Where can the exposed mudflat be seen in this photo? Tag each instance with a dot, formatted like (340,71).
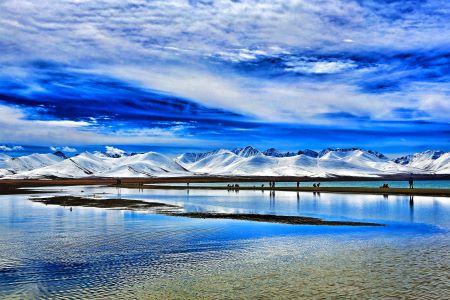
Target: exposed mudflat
(169,210)
(101,203)
(294,220)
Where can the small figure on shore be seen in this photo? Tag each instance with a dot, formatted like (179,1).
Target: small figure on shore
(298,184)
(71,209)
(187,184)
(314,185)
(411,183)
(318,184)
(262,185)
(385,186)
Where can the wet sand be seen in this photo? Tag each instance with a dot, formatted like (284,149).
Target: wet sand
(170,210)
(73,201)
(294,220)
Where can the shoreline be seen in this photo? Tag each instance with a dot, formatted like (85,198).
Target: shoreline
(207,179)
(12,186)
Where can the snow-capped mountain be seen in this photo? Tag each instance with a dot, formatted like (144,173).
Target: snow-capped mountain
(275,153)
(344,151)
(149,164)
(14,165)
(188,158)
(191,157)
(97,164)
(420,160)
(442,164)
(432,161)
(245,161)
(4,156)
(332,162)
(246,152)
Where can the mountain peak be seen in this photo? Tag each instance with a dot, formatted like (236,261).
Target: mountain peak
(60,154)
(246,151)
(425,155)
(328,150)
(275,153)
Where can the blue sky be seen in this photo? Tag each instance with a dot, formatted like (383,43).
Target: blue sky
(192,75)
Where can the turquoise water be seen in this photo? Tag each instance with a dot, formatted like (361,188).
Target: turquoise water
(437,184)
(52,252)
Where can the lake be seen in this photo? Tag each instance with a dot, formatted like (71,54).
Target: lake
(434,184)
(52,252)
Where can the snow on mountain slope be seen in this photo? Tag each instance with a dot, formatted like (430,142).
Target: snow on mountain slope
(3,156)
(145,165)
(241,161)
(96,164)
(273,152)
(442,164)
(82,165)
(330,162)
(423,160)
(216,163)
(190,157)
(246,152)
(262,165)
(15,165)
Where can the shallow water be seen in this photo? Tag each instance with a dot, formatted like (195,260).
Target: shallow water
(52,252)
(436,184)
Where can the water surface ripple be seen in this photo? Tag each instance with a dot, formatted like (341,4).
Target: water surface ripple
(91,253)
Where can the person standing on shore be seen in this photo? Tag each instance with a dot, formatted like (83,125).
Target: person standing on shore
(411,183)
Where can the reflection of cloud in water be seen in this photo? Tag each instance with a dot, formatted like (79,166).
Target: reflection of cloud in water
(52,252)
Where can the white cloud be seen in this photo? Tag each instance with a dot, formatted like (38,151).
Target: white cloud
(319,67)
(140,30)
(437,105)
(16,128)
(295,101)
(11,148)
(65,149)
(62,123)
(166,44)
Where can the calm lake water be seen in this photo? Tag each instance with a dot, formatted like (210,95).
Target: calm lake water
(52,252)
(435,184)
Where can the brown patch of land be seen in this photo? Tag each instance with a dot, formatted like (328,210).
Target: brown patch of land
(170,210)
(341,190)
(101,203)
(294,220)
(11,190)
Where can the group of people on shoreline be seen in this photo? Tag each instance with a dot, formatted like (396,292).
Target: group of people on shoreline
(410,183)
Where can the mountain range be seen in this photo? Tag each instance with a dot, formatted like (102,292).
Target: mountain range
(246,161)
